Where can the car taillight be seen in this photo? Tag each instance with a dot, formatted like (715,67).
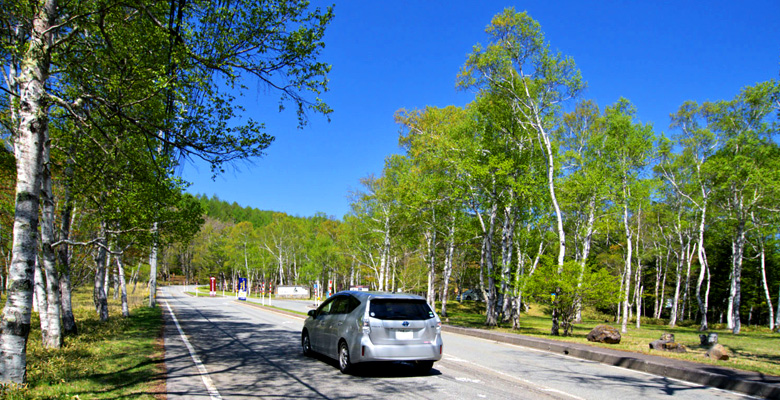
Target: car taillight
(366,326)
(438,327)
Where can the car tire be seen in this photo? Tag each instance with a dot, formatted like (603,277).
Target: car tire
(423,367)
(345,365)
(306,344)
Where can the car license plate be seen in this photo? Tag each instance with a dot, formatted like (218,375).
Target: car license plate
(404,335)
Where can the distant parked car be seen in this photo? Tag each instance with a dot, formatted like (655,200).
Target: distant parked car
(354,327)
(471,294)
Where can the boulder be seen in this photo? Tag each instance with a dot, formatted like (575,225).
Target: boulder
(674,347)
(717,352)
(658,344)
(708,339)
(604,334)
(667,343)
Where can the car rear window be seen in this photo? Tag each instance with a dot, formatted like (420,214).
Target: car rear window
(398,309)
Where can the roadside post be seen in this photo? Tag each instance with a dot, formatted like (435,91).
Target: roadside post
(317,294)
(213,286)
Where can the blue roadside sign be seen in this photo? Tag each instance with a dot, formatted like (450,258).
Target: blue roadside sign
(242,289)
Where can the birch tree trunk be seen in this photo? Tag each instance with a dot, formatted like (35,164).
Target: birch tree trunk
(99,294)
(63,252)
(762,254)
(657,282)
(116,281)
(29,141)
(153,267)
(639,289)
(107,276)
(663,281)
(704,268)
(122,286)
(629,248)
(51,336)
(430,240)
(766,287)
(688,262)
(490,312)
(736,278)
(39,298)
(384,254)
(554,330)
(586,243)
(449,254)
(507,240)
(678,276)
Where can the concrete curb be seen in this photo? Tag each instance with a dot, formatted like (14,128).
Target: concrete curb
(751,383)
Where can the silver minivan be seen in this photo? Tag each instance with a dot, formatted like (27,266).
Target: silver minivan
(354,327)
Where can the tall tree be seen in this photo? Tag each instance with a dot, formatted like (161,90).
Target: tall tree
(585,196)
(627,148)
(519,64)
(689,174)
(277,44)
(747,173)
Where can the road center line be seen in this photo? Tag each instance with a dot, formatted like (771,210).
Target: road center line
(204,374)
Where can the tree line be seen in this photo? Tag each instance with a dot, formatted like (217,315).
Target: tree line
(101,102)
(531,193)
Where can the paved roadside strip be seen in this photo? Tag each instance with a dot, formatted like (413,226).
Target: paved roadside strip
(751,383)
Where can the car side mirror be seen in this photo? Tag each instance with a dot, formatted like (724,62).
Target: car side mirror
(312,313)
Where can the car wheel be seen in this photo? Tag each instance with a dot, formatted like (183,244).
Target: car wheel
(306,344)
(423,367)
(344,364)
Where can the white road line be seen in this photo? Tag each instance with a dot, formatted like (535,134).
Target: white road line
(513,377)
(679,381)
(213,392)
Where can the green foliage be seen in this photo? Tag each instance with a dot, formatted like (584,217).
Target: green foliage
(227,212)
(594,287)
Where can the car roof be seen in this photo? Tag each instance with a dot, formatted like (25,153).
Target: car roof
(380,295)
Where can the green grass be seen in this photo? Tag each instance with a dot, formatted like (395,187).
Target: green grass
(122,358)
(754,349)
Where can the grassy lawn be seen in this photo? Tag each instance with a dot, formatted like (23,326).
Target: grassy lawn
(122,358)
(754,349)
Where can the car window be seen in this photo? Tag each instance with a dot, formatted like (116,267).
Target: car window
(340,305)
(398,309)
(325,308)
(352,304)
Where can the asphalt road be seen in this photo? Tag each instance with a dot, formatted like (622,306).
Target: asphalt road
(241,351)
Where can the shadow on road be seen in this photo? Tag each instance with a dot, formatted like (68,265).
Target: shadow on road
(250,359)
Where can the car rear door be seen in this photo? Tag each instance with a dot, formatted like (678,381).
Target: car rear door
(318,328)
(333,324)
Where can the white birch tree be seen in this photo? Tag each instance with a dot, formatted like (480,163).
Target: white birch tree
(519,64)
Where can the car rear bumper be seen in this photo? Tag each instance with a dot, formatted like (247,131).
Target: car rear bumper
(368,351)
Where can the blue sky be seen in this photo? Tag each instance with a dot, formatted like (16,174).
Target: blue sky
(388,55)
